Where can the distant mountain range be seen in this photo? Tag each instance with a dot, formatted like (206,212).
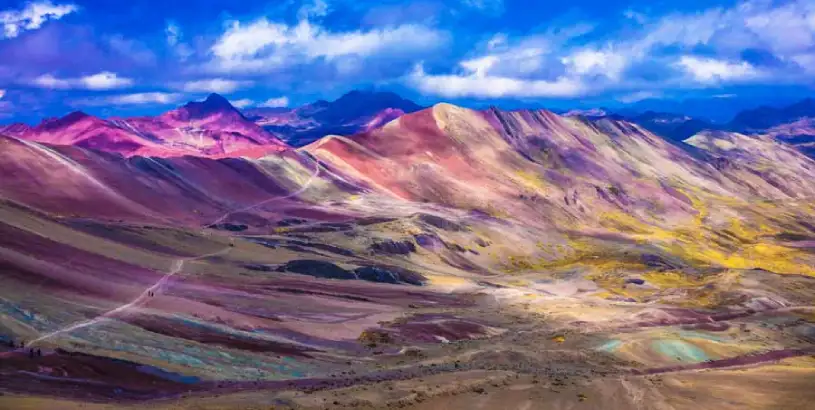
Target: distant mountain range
(212,128)
(215,128)
(793,124)
(354,112)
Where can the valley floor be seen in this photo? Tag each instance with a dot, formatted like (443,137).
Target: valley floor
(311,315)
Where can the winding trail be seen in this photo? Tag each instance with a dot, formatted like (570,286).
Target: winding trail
(177,267)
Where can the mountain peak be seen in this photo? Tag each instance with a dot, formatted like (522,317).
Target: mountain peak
(217,100)
(65,121)
(213,104)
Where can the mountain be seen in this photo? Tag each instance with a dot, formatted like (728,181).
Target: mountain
(353,112)
(409,257)
(83,130)
(212,127)
(793,124)
(717,109)
(764,118)
(672,126)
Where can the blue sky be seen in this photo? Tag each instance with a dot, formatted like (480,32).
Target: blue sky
(142,57)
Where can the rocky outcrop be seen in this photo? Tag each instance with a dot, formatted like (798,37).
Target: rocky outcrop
(320,269)
(391,247)
(389,275)
(328,270)
(441,223)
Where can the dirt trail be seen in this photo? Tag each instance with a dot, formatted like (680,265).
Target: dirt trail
(177,267)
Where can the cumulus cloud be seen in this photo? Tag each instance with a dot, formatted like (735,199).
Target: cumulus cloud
(589,62)
(276,102)
(2,93)
(214,85)
(32,16)
(263,45)
(526,67)
(131,99)
(242,103)
(104,80)
(709,70)
(754,41)
(476,82)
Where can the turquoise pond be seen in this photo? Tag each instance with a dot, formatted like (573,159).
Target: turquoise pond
(680,350)
(610,346)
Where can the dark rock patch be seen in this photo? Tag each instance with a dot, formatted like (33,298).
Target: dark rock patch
(328,270)
(373,220)
(229,227)
(482,243)
(429,241)
(291,222)
(456,247)
(319,269)
(300,246)
(258,267)
(441,223)
(657,261)
(394,247)
(793,237)
(324,247)
(389,275)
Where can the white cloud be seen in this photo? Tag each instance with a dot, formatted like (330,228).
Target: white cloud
(104,80)
(159,98)
(479,84)
(174,38)
(214,85)
(242,103)
(786,30)
(32,16)
(638,96)
(2,93)
(315,8)
(753,41)
(595,62)
(264,45)
(636,16)
(49,81)
(709,70)
(172,33)
(492,6)
(497,41)
(276,102)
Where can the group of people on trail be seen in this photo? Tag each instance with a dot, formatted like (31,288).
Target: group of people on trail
(31,351)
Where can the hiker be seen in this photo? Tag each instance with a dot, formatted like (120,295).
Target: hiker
(39,353)
(31,353)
